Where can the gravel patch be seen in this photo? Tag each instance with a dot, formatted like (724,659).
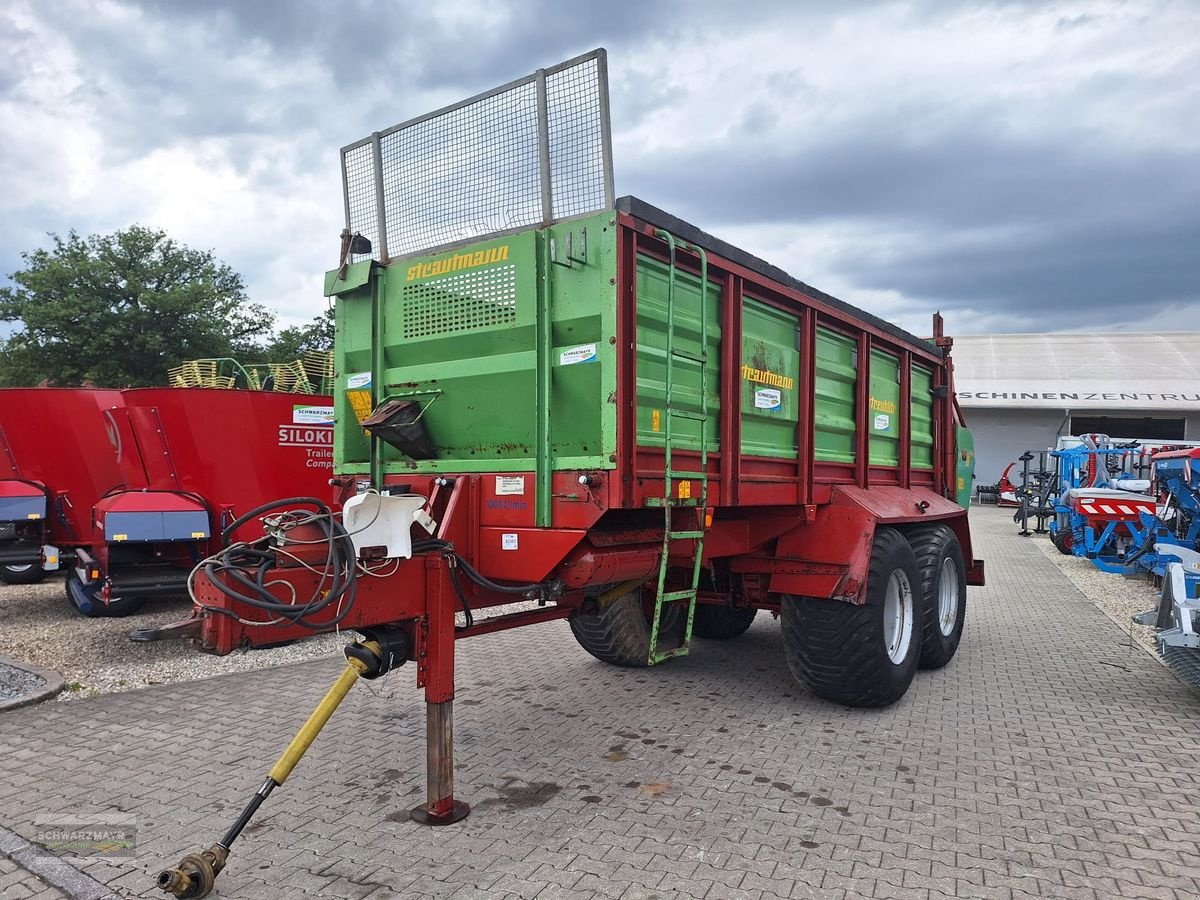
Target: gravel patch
(95,656)
(1118,596)
(16,682)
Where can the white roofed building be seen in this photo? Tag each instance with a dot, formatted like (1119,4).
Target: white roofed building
(1023,391)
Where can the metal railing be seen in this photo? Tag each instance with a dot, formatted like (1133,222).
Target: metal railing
(527,153)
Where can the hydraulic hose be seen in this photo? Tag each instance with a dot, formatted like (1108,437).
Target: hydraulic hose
(337,587)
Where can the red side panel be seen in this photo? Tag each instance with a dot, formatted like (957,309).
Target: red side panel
(236,449)
(62,438)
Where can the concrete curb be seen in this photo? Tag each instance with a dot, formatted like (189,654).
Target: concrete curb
(54,684)
(53,870)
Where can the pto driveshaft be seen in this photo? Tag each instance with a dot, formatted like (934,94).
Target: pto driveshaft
(384,650)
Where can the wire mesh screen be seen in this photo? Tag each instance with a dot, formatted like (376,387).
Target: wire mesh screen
(527,153)
(358,181)
(577,119)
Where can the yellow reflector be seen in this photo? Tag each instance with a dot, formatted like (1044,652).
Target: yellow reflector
(120,537)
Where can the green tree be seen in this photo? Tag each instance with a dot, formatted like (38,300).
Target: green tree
(291,342)
(117,310)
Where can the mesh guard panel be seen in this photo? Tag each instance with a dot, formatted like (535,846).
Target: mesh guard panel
(528,153)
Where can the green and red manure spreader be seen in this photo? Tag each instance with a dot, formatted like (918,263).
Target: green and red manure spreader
(599,412)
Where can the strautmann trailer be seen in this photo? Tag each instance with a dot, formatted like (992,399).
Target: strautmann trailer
(600,411)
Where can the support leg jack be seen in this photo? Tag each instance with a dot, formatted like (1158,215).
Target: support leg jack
(383,650)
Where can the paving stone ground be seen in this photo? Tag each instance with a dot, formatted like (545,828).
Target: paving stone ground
(18,884)
(1049,759)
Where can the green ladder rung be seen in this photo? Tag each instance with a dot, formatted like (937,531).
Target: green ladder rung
(686,414)
(690,476)
(687,354)
(686,535)
(671,654)
(675,596)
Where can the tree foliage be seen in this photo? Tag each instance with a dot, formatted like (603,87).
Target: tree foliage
(291,342)
(117,310)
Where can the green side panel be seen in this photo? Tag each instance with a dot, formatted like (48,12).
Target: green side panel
(964,469)
(921,413)
(884,421)
(353,312)
(652,354)
(460,336)
(837,381)
(769,377)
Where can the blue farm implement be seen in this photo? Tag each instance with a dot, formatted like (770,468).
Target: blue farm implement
(1176,560)
(1102,513)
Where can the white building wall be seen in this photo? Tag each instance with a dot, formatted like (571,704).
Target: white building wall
(1002,435)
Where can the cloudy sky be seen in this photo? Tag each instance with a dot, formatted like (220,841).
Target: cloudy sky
(1021,166)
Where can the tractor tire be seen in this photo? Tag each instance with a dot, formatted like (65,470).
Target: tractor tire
(86,600)
(619,632)
(1064,541)
(30,573)
(722,623)
(860,655)
(942,570)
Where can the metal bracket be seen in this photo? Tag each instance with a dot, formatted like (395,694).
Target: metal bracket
(571,257)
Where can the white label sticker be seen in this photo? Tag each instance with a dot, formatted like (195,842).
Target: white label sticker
(312,415)
(882,421)
(768,398)
(586,353)
(510,485)
(508,542)
(359,380)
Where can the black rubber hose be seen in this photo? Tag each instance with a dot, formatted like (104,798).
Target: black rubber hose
(267,507)
(340,563)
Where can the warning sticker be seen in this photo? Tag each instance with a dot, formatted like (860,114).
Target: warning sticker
(508,542)
(576,355)
(768,398)
(510,485)
(360,402)
(882,422)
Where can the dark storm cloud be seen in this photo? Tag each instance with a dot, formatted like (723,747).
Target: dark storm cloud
(1051,227)
(952,195)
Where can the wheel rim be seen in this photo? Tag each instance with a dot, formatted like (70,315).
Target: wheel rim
(18,570)
(897,616)
(948,597)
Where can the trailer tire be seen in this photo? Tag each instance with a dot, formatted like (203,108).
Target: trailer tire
(29,573)
(618,633)
(841,650)
(944,605)
(86,602)
(1064,541)
(722,623)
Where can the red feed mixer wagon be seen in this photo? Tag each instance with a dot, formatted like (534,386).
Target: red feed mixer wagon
(134,488)
(56,463)
(597,411)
